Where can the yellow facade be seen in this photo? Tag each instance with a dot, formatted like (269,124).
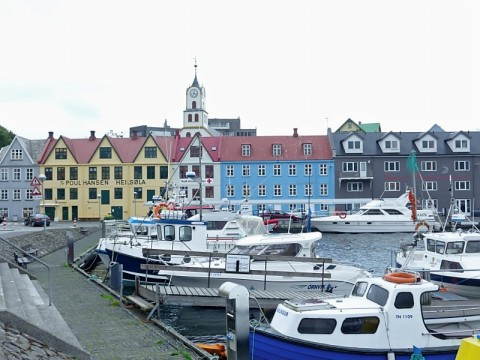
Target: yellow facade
(105,184)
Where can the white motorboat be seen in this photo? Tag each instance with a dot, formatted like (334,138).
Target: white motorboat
(281,261)
(397,316)
(451,259)
(378,216)
(169,233)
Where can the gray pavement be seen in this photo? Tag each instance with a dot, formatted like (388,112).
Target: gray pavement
(104,328)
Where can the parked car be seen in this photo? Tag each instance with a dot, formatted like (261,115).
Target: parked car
(36,220)
(278,214)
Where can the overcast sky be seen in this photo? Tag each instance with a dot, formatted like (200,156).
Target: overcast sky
(74,66)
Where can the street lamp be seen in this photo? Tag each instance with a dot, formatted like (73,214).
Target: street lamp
(99,216)
(192,176)
(42,178)
(135,201)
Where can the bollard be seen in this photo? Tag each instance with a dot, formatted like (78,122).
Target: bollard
(74,222)
(70,248)
(5,224)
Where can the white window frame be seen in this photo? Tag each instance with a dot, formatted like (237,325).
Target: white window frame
(307,190)
(246,150)
(277,150)
(245,170)
(391,166)
(230,171)
(307,149)
(350,166)
(354,186)
(292,190)
(392,186)
(262,170)
(428,166)
(262,190)
(277,170)
(462,185)
(323,189)
(429,186)
(292,170)
(277,190)
(322,169)
(461,165)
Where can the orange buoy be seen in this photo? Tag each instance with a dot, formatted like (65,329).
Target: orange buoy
(401,277)
(156,211)
(214,349)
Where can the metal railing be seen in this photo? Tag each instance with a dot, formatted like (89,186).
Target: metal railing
(22,251)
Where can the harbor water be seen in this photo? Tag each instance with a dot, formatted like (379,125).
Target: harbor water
(372,252)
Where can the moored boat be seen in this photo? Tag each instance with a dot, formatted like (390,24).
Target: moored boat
(393,317)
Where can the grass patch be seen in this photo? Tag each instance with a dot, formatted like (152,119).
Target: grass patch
(113,300)
(185,353)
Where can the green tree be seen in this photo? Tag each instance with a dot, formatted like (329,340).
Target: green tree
(6,136)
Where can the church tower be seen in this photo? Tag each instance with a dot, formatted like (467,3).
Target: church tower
(195,117)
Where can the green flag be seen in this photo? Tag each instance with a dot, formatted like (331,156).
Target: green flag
(412,162)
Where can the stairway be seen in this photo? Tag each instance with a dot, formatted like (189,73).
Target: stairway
(24,306)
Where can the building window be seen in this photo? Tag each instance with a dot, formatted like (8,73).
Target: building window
(350,166)
(28,174)
(195,151)
(391,166)
(16,154)
(105,153)
(92,173)
(17,174)
(209,192)
(48,194)
(230,191)
(307,149)
(118,172)
(292,170)
(150,152)
(137,172)
(92,193)
(462,165)
(245,170)
(60,154)
(277,170)
(17,194)
(28,194)
(183,171)
(163,172)
(391,144)
(74,173)
(428,166)
(4,174)
(429,186)
(118,193)
(276,150)
(307,170)
(139,192)
(392,186)
(462,185)
(105,172)
(307,190)
(246,190)
(73,194)
(230,172)
(323,189)
(323,169)
(353,144)
(428,144)
(246,150)
(262,190)
(262,170)
(3,194)
(150,172)
(26,212)
(354,186)
(209,171)
(461,144)
(60,173)
(60,194)
(292,190)
(277,190)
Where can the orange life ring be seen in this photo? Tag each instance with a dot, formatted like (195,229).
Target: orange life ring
(420,224)
(156,211)
(342,215)
(401,277)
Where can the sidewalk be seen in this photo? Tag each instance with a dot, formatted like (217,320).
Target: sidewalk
(104,328)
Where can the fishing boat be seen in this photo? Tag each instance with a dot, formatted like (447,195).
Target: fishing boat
(279,261)
(398,316)
(379,216)
(450,259)
(126,245)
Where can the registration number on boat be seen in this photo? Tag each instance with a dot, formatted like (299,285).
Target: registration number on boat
(407,316)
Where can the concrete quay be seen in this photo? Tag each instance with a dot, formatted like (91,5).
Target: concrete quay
(103,327)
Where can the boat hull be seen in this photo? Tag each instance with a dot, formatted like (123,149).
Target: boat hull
(265,345)
(351,226)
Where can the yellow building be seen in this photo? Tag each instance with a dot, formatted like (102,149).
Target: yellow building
(90,178)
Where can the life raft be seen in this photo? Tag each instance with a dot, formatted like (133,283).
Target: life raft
(401,277)
(420,224)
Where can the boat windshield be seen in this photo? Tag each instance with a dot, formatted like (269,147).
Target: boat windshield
(455,247)
(275,249)
(473,247)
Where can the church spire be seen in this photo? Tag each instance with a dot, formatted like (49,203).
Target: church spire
(195,81)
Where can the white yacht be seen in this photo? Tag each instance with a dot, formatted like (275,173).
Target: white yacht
(378,216)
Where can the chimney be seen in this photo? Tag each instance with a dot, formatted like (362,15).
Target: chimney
(295,133)
(50,134)
(177,133)
(134,135)
(92,135)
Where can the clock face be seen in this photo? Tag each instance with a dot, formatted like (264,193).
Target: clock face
(193,93)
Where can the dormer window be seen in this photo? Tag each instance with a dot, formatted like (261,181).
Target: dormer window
(307,149)
(277,150)
(391,144)
(16,154)
(461,144)
(428,144)
(246,149)
(353,144)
